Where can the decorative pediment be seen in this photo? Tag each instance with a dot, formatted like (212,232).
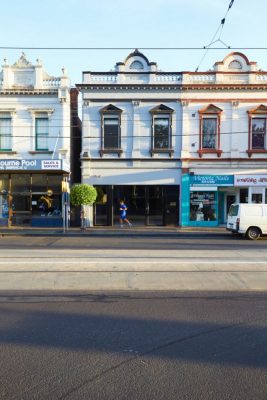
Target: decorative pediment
(22,62)
(262,109)
(210,109)
(161,109)
(111,109)
(135,54)
(136,62)
(235,62)
(35,111)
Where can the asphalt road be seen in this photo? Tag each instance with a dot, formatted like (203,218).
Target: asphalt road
(134,346)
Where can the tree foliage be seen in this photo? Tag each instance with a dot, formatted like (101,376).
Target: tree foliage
(82,194)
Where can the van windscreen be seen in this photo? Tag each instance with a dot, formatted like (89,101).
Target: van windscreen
(233,211)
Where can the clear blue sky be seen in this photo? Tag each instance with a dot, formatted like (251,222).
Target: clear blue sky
(125,23)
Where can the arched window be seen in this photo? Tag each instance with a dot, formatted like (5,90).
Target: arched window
(136,65)
(235,65)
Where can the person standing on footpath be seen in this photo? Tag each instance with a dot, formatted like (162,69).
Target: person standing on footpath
(123,214)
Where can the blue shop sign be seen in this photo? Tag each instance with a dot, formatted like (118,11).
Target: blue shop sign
(31,165)
(209,180)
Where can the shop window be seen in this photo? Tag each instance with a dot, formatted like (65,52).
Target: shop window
(4,184)
(203,206)
(5,134)
(3,206)
(209,135)
(39,183)
(256,198)
(20,203)
(54,183)
(20,183)
(243,195)
(41,134)
(46,205)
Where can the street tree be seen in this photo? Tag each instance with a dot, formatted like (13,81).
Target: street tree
(82,195)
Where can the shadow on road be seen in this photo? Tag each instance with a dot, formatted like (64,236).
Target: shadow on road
(93,329)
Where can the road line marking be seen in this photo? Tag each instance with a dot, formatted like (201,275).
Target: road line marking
(132,261)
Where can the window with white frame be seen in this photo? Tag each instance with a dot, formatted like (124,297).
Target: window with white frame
(5,132)
(41,133)
(161,140)
(161,130)
(258,133)
(209,132)
(111,130)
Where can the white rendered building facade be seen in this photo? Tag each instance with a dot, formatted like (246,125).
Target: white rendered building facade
(34,144)
(224,140)
(180,147)
(131,141)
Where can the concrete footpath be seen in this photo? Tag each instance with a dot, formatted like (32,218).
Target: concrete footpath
(73,264)
(109,231)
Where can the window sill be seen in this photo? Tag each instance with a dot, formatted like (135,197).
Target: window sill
(256,151)
(7,152)
(162,151)
(110,151)
(41,152)
(209,151)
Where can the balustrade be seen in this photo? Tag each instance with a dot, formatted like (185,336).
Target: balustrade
(168,78)
(103,78)
(51,82)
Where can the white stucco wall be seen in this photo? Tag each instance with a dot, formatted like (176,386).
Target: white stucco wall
(27,92)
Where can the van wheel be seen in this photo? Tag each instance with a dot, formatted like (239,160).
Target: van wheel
(253,233)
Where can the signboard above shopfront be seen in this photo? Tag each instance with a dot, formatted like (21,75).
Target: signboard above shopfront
(212,180)
(251,180)
(31,165)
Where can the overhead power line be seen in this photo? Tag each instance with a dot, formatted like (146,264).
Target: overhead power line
(147,136)
(131,48)
(217,36)
(136,121)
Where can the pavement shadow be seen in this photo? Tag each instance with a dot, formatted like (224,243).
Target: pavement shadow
(229,343)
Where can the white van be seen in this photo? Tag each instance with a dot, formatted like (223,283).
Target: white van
(248,219)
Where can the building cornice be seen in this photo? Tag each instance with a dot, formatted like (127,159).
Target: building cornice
(131,86)
(178,100)
(151,160)
(212,160)
(175,72)
(28,92)
(179,87)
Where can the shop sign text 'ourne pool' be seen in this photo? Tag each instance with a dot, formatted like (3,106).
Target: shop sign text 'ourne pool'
(30,165)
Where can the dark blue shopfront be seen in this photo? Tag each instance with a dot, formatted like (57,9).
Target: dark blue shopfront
(203,200)
(31,193)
